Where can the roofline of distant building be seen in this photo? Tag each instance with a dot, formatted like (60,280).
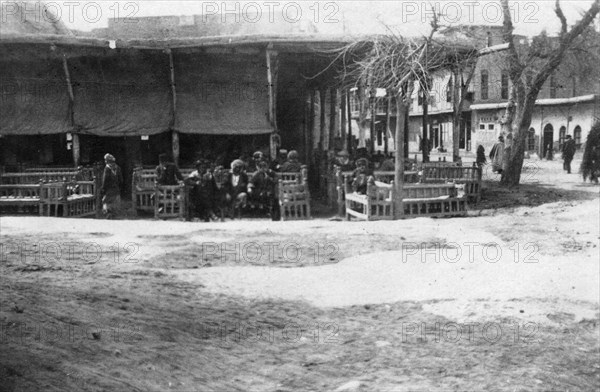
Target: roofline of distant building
(539,102)
(325,41)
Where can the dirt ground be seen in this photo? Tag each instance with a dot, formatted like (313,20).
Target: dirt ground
(506,299)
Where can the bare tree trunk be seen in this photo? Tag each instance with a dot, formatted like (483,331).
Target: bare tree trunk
(362,116)
(388,112)
(401,109)
(425,141)
(522,120)
(457,115)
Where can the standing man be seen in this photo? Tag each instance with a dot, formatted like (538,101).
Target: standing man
(497,155)
(167,172)
(568,151)
(112,180)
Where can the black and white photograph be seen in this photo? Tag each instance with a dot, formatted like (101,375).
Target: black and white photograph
(295,196)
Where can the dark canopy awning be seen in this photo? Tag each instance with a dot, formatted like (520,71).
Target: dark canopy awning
(221,94)
(122,95)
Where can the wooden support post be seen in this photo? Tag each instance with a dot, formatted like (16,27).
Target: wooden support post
(322,106)
(314,116)
(175,145)
(175,134)
(399,162)
(333,119)
(272,71)
(343,121)
(75,148)
(173,90)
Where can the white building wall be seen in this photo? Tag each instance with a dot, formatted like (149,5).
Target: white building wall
(486,123)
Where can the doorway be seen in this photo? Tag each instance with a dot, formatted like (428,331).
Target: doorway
(547,139)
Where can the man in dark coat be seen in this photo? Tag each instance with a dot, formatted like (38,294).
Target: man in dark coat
(167,172)
(261,189)
(112,181)
(568,151)
(292,165)
(203,192)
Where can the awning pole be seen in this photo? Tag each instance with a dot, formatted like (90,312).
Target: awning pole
(76,149)
(272,69)
(175,134)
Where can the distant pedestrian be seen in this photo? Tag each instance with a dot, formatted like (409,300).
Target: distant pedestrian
(568,151)
(497,155)
(481,160)
(112,181)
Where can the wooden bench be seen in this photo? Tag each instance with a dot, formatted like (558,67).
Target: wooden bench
(466,177)
(293,195)
(69,199)
(418,200)
(143,189)
(169,201)
(81,173)
(20,198)
(376,204)
(36,177)
(388,176)
(432,200)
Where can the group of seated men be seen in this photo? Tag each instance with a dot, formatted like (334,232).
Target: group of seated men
(362,168)
(215,189)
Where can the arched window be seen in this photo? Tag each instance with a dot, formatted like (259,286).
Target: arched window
(504,86)
(577,136)
(562,132)
(484,84)
(531,140)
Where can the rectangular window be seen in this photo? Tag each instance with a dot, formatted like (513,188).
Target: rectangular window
(484,84)
(491,127)
(552,86)
(482,127)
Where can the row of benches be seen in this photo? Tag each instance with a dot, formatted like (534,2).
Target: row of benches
(441,191)
(174,201)
(60,199)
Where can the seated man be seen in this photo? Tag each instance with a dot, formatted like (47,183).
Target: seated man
(167,172)
(261,188)
(361,176)
(203,192)
(292,165)
(235,186)
(281,157)
(253,164)
(388,164)
(342,160)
